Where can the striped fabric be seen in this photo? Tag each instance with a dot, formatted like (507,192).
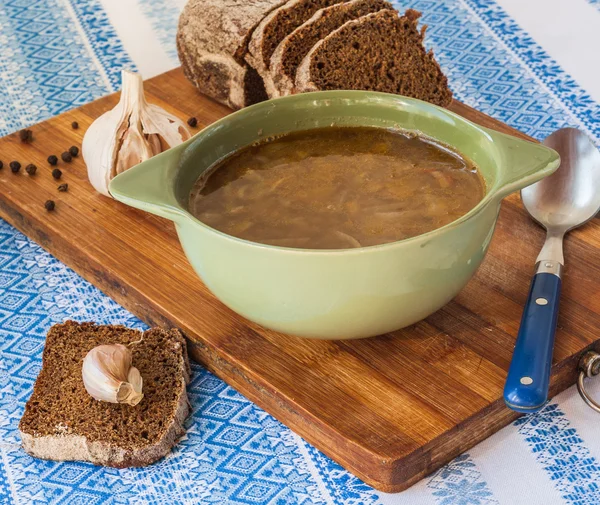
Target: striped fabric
(530,63)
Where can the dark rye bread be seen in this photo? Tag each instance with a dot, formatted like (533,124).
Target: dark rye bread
(63,422)
(212,39)
(274,28)
(292,50)
(384,52)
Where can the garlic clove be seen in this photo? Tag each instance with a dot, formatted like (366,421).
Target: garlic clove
(134,147)
(108,375)
(130,392)
(156,146)
(132,132)
(169,127)
(98,149)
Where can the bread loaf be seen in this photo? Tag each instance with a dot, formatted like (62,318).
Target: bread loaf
(241,52)
(63,422)
(292,50)
(380,52)
(212,39)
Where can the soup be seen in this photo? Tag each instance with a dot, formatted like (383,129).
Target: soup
(337,188)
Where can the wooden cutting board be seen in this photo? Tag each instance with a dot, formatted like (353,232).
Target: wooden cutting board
(390,409)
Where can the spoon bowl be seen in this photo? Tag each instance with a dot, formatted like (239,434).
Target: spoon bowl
(569,197)
(565,200)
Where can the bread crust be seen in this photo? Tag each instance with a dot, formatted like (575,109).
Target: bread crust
(282,84)
(212,39)
(69,447)
(304,81)
(254,56)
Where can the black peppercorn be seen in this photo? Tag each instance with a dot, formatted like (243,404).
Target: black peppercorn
(49,205)
(15,166)
(53,160)
(193,122)
(1,165)
(26,135)
(63,187)
(56,173)
(31,169)
(73,151)
(74,125)
(66,156)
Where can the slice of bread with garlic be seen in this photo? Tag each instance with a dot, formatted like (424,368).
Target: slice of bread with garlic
(63,421)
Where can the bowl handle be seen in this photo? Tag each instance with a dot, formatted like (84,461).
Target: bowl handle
(521,162)
(150,186)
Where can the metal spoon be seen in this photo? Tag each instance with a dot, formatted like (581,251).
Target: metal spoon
(563,201)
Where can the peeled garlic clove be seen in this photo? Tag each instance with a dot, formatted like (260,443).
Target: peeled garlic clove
(132,132)
(108,375)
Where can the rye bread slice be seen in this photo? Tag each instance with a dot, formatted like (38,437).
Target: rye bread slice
(292,50)
(275,26)
(63,422)
(212,40)
(385,52)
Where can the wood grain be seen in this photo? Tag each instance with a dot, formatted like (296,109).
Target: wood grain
(390,409)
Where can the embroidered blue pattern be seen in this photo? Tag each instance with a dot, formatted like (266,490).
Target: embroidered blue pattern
(460,483)
(164,18)
(575,101)
(563,455)
(233,451)
(497,78)
(341,486)
(45,64)
(100,34)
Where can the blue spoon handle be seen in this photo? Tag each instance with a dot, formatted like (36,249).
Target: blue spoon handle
(526,388)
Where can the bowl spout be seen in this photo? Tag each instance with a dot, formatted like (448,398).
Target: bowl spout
(520,162)
(150,186)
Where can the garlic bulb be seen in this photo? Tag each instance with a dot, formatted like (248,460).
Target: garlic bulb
(109,377)
(132,132)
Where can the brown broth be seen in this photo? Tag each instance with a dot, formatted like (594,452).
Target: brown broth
(337,188)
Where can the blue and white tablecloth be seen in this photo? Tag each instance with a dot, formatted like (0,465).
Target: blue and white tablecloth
(533,64)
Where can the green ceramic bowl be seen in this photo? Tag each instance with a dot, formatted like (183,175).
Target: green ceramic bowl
(340,294)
